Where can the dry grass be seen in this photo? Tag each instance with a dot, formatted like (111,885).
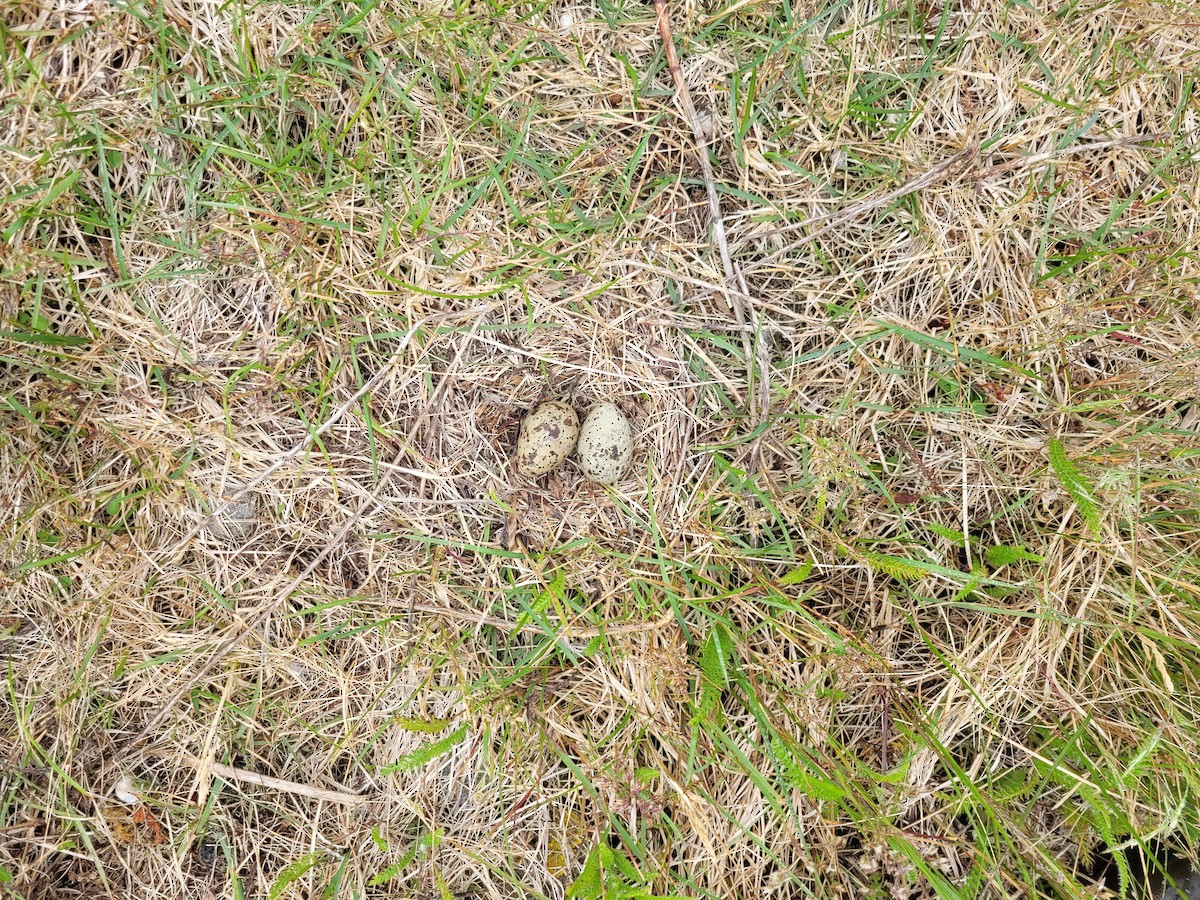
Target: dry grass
(903,603)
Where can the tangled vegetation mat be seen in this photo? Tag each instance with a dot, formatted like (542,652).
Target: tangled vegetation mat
(897,597)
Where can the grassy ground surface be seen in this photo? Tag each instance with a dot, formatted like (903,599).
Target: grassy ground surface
(898,598)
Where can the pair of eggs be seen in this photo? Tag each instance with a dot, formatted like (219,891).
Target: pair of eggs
(603,443)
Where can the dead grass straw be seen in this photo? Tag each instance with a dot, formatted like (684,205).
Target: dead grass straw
(897,599)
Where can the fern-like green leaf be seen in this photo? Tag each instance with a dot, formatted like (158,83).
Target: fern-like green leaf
(420,845)
(799,777)
(709,705)
(1004,554)
(895,566)
(797,575)
(443,889)
(424,755)
(718,657)
(968,589)
(293,872)
(953,536)
(1076,484)
(588,886)
(424,726)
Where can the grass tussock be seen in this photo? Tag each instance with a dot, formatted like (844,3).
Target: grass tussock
(899,598)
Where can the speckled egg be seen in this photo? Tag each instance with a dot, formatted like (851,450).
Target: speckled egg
(547,436)
(605,444)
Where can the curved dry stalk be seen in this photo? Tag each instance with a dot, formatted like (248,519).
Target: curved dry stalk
(734,286)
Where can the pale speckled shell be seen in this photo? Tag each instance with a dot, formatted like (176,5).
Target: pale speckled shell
(605,444)
(547,437)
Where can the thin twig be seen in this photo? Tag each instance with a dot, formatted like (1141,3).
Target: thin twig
(229,773)
(935,486)
(997,170)
(732,291)
(944,169)
(952,166)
